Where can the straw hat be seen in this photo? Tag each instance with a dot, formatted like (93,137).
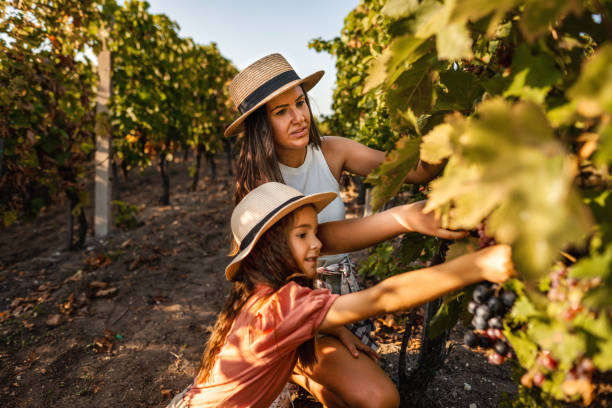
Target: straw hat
(261,81)
(260,209)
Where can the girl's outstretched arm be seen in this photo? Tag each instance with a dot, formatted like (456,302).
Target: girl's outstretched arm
(410,289)
(358,233)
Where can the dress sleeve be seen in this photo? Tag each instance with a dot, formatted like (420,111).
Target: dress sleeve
(289,317)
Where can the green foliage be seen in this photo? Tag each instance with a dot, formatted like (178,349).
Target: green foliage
(411,253)
(168,92)
(356,115)
(516,97)
(46,102)
(125,215)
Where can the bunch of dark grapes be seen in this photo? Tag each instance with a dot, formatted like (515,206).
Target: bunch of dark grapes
(489,305)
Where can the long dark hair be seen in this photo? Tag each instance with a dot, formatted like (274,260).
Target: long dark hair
(258,162)
(270,263)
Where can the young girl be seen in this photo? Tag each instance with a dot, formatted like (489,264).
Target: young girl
(267,330)
(282,143)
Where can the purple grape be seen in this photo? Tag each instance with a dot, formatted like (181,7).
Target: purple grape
(508,297)
(485,342)
(471,339)
(479,323)
(483,311)
(482,293)
(495,305)
(501,347)
(496,323)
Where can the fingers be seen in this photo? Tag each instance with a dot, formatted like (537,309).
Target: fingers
(369,351)
(351,346)
(449,234)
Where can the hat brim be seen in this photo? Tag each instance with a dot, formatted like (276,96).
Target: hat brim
(307,83)
(319,200)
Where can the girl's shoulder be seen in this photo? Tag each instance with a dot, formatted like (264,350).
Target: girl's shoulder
(288,297)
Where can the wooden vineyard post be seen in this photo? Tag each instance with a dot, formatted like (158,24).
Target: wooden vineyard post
(102,210)
(367,207)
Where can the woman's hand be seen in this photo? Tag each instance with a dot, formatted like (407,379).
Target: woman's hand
(412,218)
(495,263)
(352,343)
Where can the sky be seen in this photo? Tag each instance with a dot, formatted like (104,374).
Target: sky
(246,30)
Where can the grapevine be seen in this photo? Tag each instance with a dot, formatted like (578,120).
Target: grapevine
(513,97)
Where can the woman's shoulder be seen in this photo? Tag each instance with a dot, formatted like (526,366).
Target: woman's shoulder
(333,149)
(332,142)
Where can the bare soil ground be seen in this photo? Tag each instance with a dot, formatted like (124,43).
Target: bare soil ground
(123,321)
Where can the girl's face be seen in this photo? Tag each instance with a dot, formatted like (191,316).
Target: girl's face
(289,118)
(303,241)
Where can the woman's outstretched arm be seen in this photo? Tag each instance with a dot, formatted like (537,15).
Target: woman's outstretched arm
(342,153)
(411,289)
(358,233)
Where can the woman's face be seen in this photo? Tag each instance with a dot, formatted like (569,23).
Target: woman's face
(289,118)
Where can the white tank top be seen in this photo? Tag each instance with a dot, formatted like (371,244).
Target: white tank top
(314,176)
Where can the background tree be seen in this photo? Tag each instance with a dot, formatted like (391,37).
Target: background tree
(47,103)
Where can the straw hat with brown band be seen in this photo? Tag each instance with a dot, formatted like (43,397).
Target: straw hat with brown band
(260,209)
(261,81)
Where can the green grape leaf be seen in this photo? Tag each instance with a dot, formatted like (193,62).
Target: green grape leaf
(526,350)
(474,10)
(436,145)
(446,317)
(389,176)
(454,42)
(413,88)
(539,15)
(529,200)
(523,310)
(461,90)
(593,89)
(411,247)
(599,297)
(601,328)
(400,8)
(397,58)
(554,336)
(603,359)
(532,76)
(461,247)
(600,203)
(597,265)
(603,154)
(562,115)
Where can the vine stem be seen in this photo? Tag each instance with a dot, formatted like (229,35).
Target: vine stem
(430,355)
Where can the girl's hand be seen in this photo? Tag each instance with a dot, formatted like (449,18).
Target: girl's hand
(353,344)
(495,263)
(412,218)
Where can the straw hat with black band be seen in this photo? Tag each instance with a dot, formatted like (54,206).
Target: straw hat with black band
(261,81)
(261,208)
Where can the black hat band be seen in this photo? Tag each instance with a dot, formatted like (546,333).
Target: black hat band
(266,89)
(253,232)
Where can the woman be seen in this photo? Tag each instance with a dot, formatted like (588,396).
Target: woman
(282,143)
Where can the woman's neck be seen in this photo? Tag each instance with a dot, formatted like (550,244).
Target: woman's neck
(291,157)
